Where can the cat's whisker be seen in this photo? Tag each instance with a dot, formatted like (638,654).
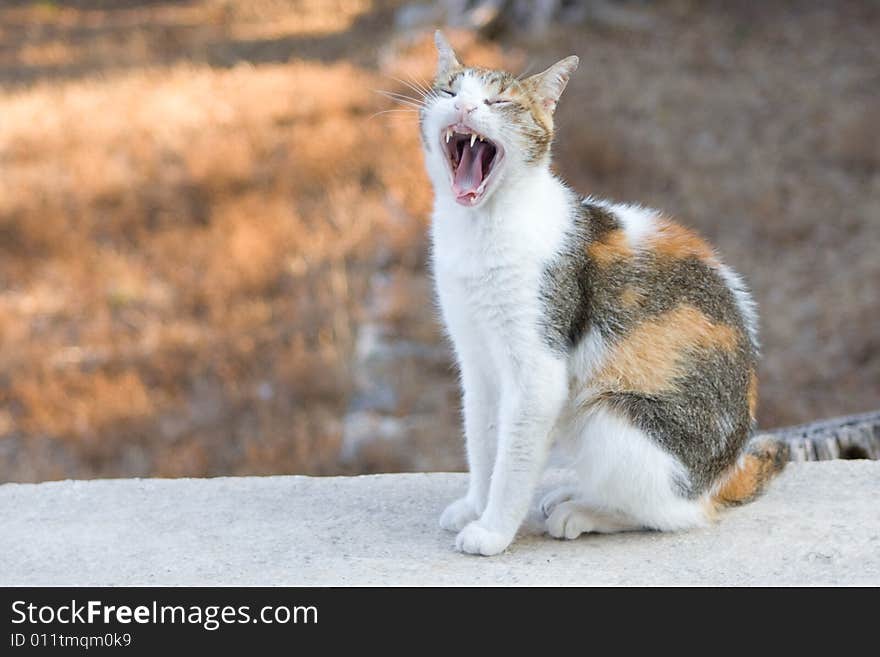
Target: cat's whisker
(421,85)
(402,99)
(409,106)
(423,89)
(421,92)
(397,96)
(407,110)
(407,83)
(392,111)
(397,93)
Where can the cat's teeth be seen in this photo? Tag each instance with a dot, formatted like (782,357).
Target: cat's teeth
(448,134)
(473,139)
(481,137)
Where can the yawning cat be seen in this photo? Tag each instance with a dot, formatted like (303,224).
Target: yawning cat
(607,329)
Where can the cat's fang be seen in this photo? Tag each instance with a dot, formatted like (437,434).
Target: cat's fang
(448,134)
(473,139)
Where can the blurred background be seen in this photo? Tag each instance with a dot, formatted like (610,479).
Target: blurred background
(213,252)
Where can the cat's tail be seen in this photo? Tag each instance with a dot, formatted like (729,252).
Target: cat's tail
(763,458)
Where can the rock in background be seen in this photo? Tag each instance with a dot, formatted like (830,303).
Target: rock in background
(404,414)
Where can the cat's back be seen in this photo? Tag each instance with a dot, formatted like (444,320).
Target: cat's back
(625,265)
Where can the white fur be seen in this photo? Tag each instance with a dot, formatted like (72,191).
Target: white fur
(587,357)
(638,222)
(488,264)
(624,473)
(744,301)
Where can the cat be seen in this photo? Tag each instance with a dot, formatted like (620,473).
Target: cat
(608,330)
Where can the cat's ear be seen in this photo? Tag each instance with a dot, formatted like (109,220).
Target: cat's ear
(549,85)
(447,62)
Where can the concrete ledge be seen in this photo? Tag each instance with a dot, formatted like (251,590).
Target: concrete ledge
(818,524)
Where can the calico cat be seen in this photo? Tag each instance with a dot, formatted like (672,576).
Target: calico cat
(606,329)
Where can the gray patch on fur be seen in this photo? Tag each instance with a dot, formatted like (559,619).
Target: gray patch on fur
(569,288)
(685,422)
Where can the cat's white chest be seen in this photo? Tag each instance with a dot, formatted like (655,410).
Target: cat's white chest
(490,271)
(502,302)
(493,273)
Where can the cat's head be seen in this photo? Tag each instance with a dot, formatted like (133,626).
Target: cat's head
(481,127)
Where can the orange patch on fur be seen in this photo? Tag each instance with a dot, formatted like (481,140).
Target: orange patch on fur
(764,459)
(655,353)
(753,394)
(612,246)
(631,296)
(743,483)
(674,241)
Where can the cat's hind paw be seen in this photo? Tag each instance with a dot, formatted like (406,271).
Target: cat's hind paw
(458,514)
(556,497)
(569,520)
(476,539)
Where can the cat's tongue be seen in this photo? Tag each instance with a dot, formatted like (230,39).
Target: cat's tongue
(469,174)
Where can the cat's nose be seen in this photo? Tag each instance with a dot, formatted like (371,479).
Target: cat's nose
(465,108)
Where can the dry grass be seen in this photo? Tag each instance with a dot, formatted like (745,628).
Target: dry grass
(182,259)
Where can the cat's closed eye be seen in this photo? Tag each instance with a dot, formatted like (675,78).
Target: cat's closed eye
(449,93)
(497,101)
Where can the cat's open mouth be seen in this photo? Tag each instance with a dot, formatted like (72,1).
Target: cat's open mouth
(473,159)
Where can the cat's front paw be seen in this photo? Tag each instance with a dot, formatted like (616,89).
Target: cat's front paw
(476,539)
(458,514)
